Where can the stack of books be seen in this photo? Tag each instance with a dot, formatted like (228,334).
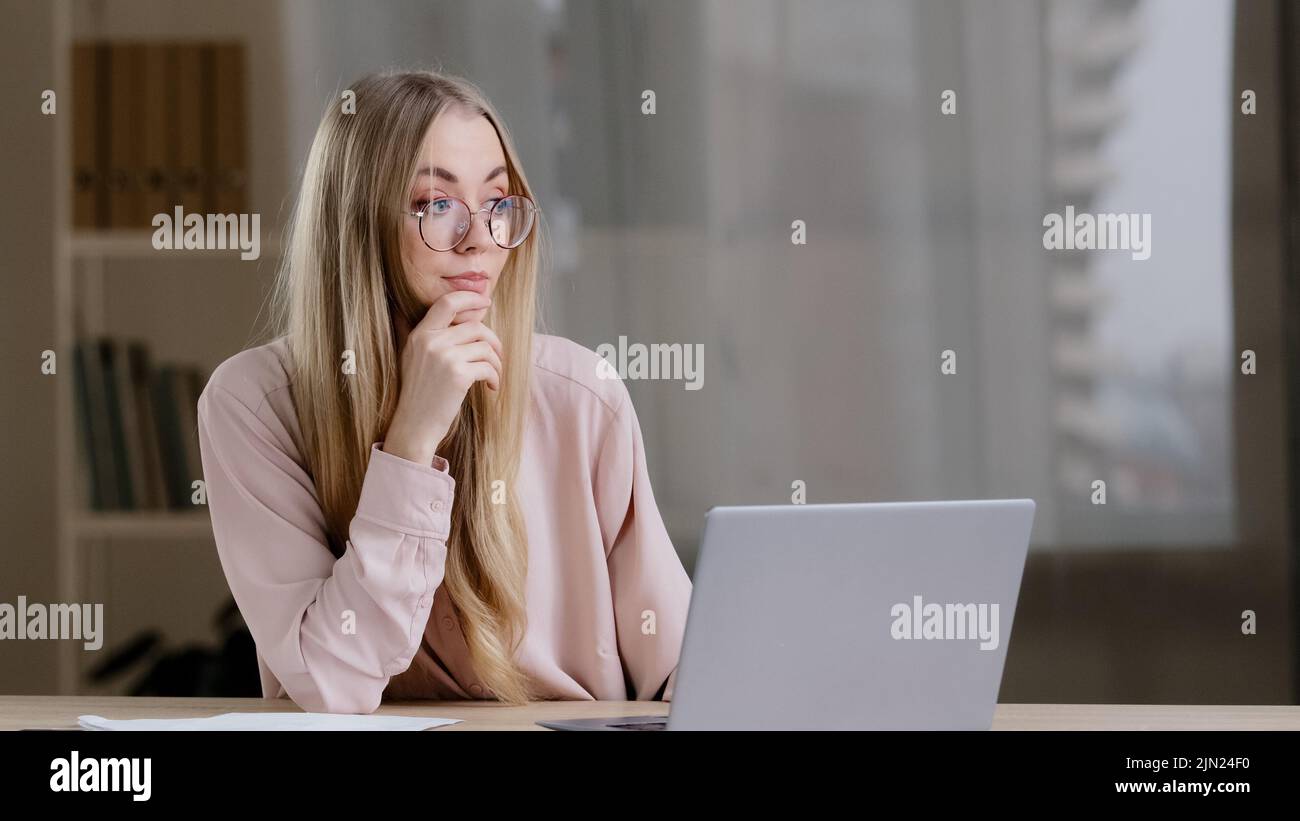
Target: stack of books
(139,427)
(154,126)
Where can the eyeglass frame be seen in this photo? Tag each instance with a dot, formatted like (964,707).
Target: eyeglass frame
(472,214)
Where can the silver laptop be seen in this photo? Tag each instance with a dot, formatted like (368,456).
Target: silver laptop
(891,616)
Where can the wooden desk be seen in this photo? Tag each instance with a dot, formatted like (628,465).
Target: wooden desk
(60,712)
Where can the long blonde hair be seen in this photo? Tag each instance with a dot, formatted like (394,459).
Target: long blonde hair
(340,287)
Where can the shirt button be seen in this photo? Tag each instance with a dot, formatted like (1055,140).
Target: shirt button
(476,689)
(426,601)
(447,623)
(436,506)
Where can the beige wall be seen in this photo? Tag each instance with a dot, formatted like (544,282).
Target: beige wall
(26,328)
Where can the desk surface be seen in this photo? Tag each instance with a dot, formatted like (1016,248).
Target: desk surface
(60,712)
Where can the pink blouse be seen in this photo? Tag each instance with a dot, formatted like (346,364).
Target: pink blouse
(607,595)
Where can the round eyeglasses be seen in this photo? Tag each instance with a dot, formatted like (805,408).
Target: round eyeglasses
(445,221)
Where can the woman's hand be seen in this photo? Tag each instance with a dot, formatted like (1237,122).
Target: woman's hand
(439,362)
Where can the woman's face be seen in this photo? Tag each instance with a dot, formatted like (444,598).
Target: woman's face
(461,156)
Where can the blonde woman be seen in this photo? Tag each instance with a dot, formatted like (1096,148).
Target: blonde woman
(413,493)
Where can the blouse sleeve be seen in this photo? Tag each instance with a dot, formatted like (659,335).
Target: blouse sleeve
(333,631)
(651,591)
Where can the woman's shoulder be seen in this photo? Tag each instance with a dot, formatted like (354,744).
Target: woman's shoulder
(565,369)
(253,374)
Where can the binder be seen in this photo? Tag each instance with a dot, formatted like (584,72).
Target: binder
(155,123)
(92,418)
(124,498)
(147,420)
(128,413)
(87,182)
(185,137)
(226,172)
(125,106)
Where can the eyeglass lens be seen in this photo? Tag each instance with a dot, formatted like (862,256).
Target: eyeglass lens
(446,221)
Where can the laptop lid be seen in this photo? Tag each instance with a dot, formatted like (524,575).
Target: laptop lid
(888,616)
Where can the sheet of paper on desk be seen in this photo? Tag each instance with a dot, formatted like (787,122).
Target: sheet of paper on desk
(268,721)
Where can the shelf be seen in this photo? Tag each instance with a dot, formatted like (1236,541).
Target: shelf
(145,524)
(138,244)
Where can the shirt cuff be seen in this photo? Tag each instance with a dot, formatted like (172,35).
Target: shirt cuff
(406,495)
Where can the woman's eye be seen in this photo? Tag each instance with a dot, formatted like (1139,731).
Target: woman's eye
(441,205)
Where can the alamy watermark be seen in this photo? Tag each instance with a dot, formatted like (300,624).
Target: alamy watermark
(196,232)
(675,361)
(77,774)
(83,622)
(948,621)
(1098,232)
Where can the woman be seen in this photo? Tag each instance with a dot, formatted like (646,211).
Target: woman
(413,494)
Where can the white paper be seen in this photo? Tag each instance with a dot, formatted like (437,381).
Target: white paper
(268,721)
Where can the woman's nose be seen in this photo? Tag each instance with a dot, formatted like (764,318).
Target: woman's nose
(473,239)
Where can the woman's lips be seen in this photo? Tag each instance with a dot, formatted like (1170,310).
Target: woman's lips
(469,282)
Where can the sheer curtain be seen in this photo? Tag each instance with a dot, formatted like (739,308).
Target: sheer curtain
(822,360)
(924,234)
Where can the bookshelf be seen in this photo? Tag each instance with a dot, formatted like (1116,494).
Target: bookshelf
(143,525)
(82,257)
